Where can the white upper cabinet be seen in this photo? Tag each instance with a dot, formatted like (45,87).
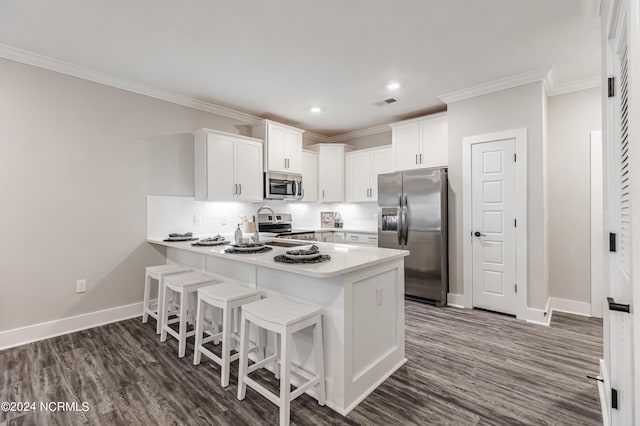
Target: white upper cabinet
(227,167)
(362,169)
(309,176)
(331,173)
(421,143)
(283,146)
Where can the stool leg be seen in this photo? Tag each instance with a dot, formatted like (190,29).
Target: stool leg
(199,326)
(319,356)
(165,317)
(276,364)
(145,303)
(285,380)
(182,346)
(227,329)
(243,363)
(161,305)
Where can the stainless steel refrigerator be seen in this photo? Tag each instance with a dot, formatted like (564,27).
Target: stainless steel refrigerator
(412,215)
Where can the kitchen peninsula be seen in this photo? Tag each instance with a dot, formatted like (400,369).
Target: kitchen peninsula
(360,291)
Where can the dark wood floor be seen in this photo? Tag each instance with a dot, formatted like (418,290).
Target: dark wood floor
(465,367)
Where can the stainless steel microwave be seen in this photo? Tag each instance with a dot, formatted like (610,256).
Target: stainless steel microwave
(282,186)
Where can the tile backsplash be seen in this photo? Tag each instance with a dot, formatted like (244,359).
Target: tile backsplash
(167,214)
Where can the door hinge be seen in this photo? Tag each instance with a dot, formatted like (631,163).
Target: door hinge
(516,287)
(614,398)
(612,242)
(515,157)
(611,84)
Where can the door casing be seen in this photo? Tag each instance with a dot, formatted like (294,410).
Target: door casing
(520,137)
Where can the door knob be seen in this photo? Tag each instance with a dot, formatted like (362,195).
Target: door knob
(478,234)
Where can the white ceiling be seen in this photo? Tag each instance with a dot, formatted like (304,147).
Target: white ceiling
(278,58)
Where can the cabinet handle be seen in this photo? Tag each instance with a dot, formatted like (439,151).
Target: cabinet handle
(420,158)
(240,188)
(416,158)
(323,194)
(235,188)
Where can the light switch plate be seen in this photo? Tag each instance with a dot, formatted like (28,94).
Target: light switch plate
(81,286)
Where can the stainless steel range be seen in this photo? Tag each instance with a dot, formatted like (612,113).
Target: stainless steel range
(280,223)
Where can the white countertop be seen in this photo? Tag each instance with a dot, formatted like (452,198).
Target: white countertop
(344,257)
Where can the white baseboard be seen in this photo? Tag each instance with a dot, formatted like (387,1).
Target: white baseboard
(536,316)
(45,330)
(455,300)
(570,306)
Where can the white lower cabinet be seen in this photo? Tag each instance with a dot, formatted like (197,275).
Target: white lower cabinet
(227,167)
(340,237)
(361,238)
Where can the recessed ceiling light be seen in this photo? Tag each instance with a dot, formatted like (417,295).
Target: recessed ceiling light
(315,109)
(393,85)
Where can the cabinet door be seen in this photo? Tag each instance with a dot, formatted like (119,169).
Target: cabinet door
(310,177)
(338,237)
(406,146)
(434,143)
(293,151)
(331,174)
(248,161)
(380,165)
(276,148)
(358,176)
(220,170)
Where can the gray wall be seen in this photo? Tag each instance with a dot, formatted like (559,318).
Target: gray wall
(508,109)
(78,159)
(572,117)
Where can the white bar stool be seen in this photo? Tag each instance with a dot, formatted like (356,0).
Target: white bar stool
(185,285)
(226,296)
(157,273)
(283,317)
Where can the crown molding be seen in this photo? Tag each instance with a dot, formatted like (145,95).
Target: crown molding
(316,137)
(554,88)
(349,135)
(546,75)
(90,74)
(360,133)
(495,86)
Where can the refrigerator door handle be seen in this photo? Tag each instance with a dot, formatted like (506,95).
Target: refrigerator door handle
(405,221)
(400,222)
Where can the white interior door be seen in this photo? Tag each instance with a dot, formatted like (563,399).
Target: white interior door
(618,325)
(493,176)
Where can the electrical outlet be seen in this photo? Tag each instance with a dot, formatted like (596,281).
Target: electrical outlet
(379,296)
(81,286)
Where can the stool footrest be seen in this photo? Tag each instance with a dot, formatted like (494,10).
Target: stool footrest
(175,334)
(152,314)
(211,338)
(302,389)
(261,364)
(262,390)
